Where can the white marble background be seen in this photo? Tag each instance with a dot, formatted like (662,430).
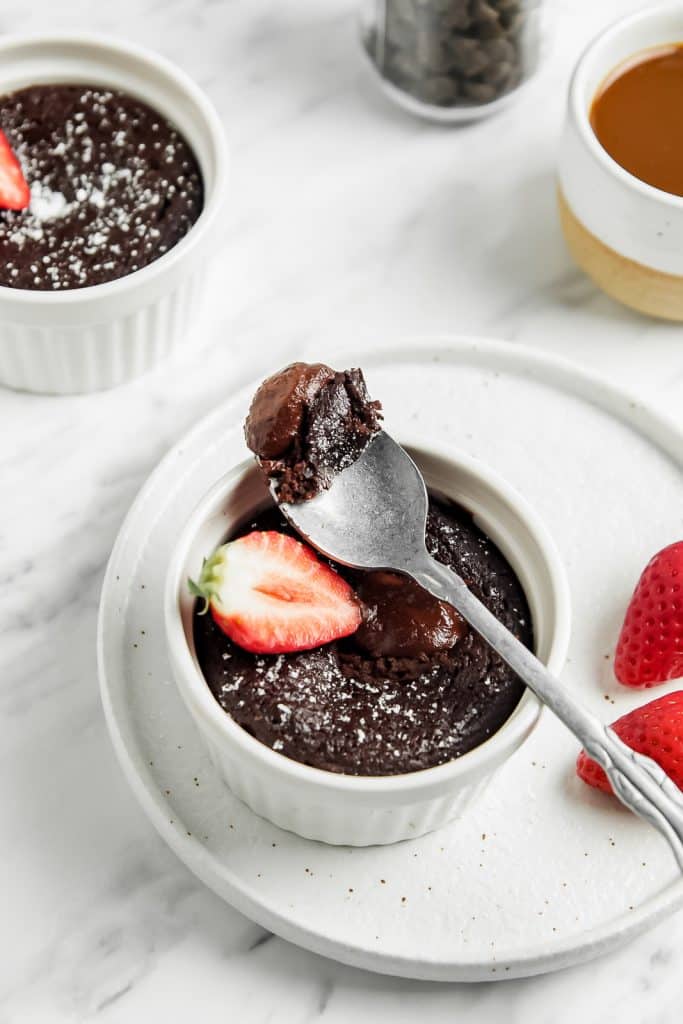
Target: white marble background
(348,221)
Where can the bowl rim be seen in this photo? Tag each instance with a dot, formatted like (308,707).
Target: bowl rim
(580,113)
(115,47)
(196,692)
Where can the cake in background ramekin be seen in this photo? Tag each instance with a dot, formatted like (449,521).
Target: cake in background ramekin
(90,337)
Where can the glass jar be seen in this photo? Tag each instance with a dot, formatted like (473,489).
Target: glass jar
(452,60)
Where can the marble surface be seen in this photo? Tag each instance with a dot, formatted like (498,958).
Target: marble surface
(348,220)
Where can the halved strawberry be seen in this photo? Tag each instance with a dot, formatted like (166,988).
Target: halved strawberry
(271,594)
(14,191)
(650,647)
(655,729)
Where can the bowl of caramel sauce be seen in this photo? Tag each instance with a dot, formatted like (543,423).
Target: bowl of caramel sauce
(620,188)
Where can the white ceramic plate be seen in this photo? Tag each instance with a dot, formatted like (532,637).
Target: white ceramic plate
(544,872)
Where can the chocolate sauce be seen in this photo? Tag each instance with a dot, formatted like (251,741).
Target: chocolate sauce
(276,414)
(401,620)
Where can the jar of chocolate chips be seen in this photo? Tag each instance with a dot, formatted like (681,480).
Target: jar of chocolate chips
(452,60)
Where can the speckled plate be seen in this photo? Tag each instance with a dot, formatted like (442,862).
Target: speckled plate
(544,872)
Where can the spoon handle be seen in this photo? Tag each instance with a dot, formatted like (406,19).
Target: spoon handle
(637,780)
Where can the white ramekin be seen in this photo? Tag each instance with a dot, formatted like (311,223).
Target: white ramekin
(344,809)
(625,233)
(93,338)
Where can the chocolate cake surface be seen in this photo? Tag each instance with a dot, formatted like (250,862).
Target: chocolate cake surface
(307,423)
(348,706)
(113,184)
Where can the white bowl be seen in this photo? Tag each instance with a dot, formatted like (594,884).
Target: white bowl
(625,233)
(354,810)
(91,338)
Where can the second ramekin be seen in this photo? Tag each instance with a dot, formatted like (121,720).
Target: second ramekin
(92,338)
(626,234)
(354,810)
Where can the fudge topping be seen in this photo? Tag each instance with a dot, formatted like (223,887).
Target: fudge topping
(356,710)
(307,423)
(400,619)
(276,415)
(113,187)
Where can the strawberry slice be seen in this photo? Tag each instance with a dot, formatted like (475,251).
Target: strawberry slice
(650,647)
(271,595)
(655,729)
(14,191)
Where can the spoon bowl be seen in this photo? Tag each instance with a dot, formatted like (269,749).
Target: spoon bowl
(375,513)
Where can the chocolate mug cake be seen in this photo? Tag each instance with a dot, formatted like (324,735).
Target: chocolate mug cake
(403,684)
(110,186)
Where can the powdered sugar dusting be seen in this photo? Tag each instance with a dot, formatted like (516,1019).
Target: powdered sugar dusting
(46,204)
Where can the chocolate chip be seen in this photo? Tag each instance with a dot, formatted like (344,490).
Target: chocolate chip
(484,12)
(490,30)
(457,16)
(499,50)
(469,56)
(501,73)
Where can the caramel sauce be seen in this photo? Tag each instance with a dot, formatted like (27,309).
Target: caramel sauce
(637,116)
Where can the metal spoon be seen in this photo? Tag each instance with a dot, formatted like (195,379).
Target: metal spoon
(374,517)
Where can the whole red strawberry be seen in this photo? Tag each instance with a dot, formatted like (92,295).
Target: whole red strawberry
(656,729)
(650,647)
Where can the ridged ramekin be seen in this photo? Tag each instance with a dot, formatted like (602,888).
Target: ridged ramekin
(345,809)
(92,338)
(626,234)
